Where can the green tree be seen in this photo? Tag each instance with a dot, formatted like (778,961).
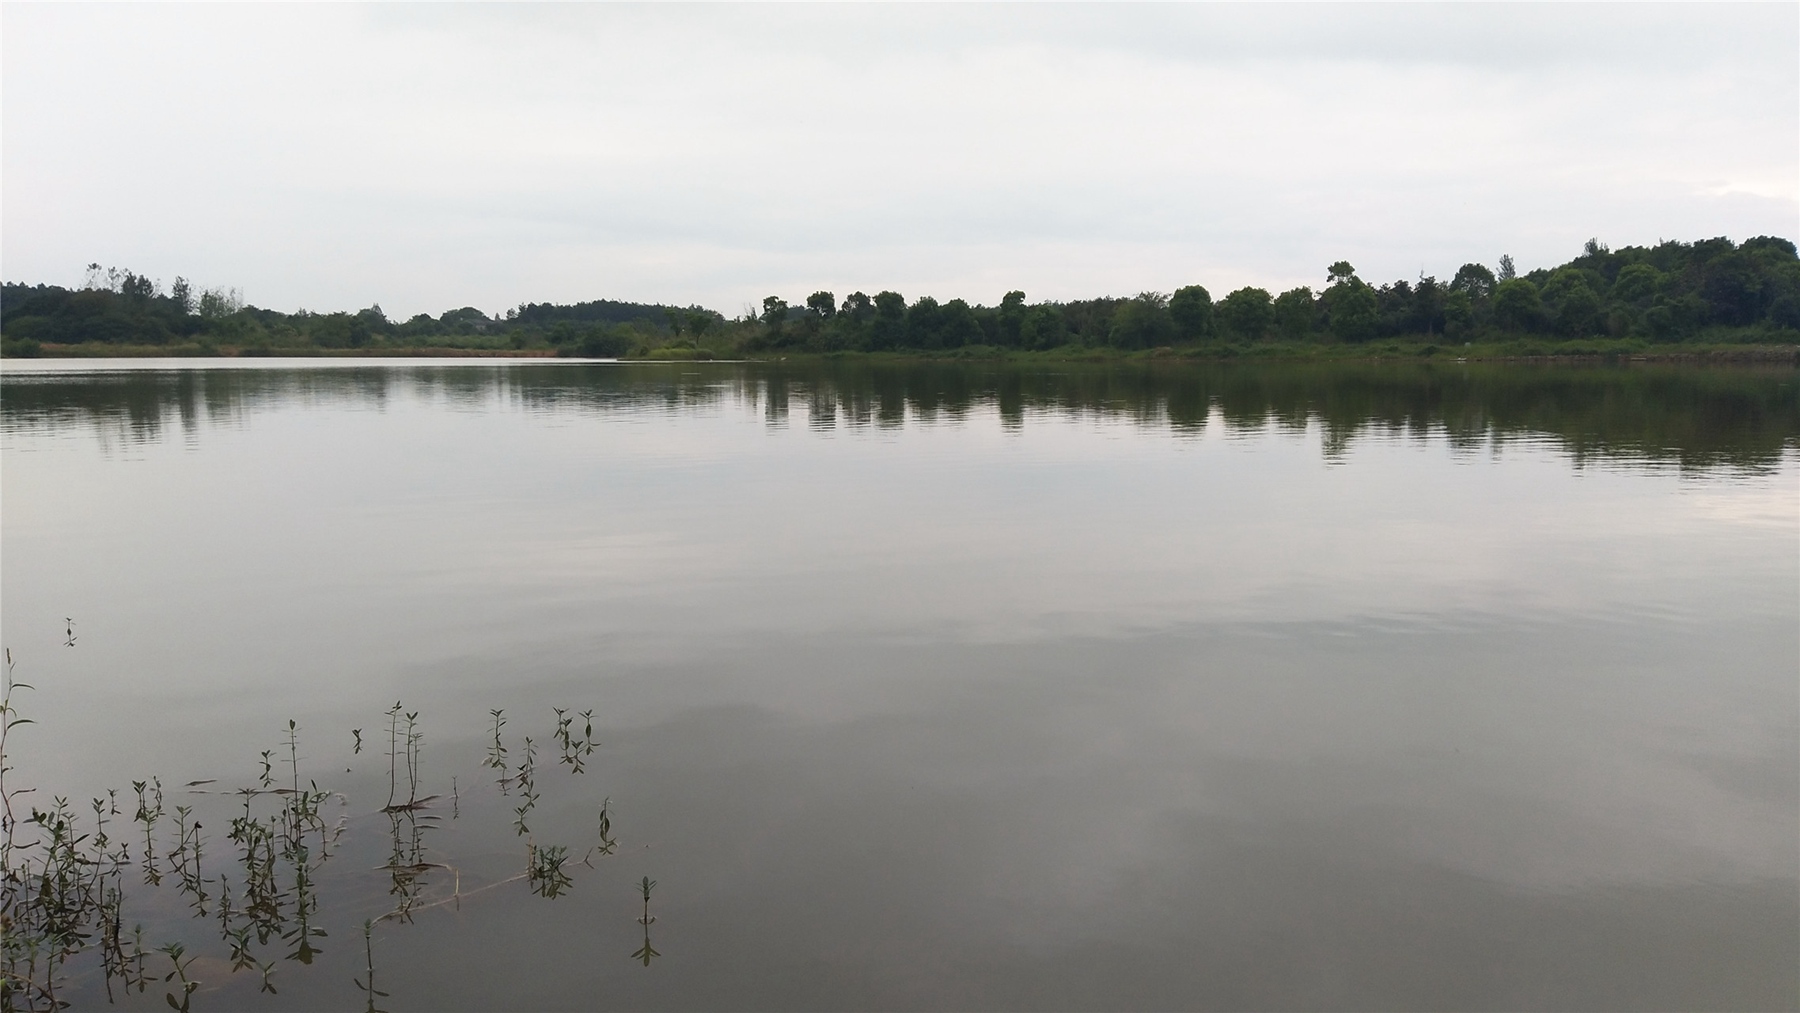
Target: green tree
(1143,322)
(1294,313)
(923,321)
(1733,289)
(332,330)
(1191,310)
(1428,306)
(1517,306)
(369,323)
(1577,308)
(603,342)
(1352,309)
(1474,280)
(1459,313)
(1246,313)
(218,303)
(957,325)
(699,322)
(774,316)
(136,287)
(1785,312)
(1671,318)
(858,307)
(1044,326)
(1581,313)
(1011,318)
(1636,284)
(888,327)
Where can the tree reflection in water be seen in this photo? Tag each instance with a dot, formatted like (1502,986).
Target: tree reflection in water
(1691,416)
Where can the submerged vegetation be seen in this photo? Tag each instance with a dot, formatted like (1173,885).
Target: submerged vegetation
(1603,301)
(71,884)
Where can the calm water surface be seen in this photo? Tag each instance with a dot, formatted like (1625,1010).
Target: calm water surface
(951,686)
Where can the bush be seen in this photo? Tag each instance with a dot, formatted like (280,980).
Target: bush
(600,344)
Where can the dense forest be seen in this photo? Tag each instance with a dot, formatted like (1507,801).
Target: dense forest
(1708,291)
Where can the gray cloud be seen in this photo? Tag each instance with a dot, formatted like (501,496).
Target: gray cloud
(426,157)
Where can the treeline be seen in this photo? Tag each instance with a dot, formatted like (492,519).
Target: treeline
(1709,290)
(120,307)
(1670,292)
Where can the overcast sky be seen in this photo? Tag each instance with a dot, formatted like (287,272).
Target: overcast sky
(423,158)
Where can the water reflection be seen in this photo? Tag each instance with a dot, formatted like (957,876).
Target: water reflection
(1694,417)
(924,687)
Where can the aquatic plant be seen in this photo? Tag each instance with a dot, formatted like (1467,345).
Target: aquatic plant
(527,787)
(9,719)
(62,876)
(545,869)
(496,757)
(187,985)
(607,844)
(368,987)
(575,751)
(646,953)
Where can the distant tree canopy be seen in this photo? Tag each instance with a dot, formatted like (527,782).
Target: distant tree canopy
(121,307)
(1669,292)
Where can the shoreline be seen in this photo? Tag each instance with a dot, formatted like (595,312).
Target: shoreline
(96,350)
(1388,352)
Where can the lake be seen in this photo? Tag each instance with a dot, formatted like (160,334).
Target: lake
(941,685)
